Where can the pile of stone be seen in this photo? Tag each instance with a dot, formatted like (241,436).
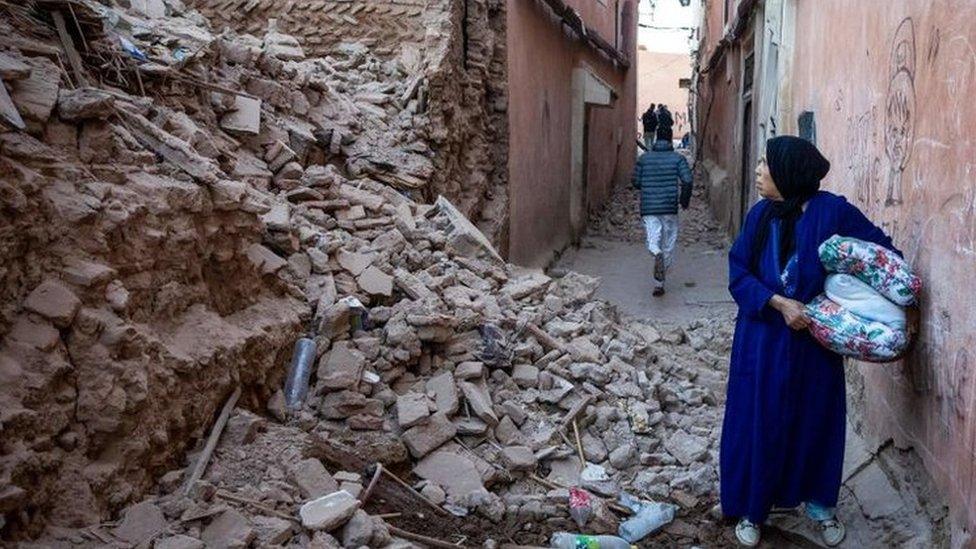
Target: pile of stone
(165,251)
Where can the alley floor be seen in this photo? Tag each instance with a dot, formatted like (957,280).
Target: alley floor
(614,250)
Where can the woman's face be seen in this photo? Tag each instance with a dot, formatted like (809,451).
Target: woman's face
(764,182)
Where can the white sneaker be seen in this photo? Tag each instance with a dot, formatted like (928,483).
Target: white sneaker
(832,532)
(747,533)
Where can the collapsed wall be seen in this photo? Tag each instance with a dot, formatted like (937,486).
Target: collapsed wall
(130,305)
(453,52)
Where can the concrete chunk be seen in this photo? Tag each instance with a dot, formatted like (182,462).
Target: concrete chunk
(477,396)
(454,472)
(342,367)
(411,409)
(353,262)
(328,512)
(425,438)
(470,370)
(525,375)
(445,392)
(245,117)
(519,458)
(85,104)
(375,282)
(13,68)
(230,530)
(54,301)
(36,95)
(141,522)
(264,259)
(312,479)
(685,447)
(272,530)
(179,542)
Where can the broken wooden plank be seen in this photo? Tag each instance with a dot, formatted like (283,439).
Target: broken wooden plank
(230,496)
(426,540)
(69,49)
(208,449)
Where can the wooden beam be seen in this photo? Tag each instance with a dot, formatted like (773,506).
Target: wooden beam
(69,49)
(201,465)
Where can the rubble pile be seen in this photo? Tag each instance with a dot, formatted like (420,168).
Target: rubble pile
(175,223)
(452,52)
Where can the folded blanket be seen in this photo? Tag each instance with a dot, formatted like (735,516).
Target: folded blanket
(876,265)
(843,332)
(863,301)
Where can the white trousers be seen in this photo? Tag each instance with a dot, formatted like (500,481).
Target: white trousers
(662,238)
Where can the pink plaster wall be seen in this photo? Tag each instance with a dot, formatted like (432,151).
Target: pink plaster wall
(892,85)
(657,82)
(541,59)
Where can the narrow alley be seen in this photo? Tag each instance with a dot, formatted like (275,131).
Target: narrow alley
(614,250)
(371,273)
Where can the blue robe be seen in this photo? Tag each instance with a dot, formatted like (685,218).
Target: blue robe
(785,413)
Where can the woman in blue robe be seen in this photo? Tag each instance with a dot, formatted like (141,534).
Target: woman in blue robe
(785,413)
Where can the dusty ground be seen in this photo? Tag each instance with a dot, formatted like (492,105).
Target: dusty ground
(614,251)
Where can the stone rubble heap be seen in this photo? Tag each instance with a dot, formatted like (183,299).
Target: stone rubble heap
(165,251)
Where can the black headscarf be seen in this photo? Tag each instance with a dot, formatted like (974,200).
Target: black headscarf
(797,168)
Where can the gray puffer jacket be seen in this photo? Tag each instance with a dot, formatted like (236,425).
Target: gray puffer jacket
(657,175)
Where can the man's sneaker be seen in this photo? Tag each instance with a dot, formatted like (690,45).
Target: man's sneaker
(747,533)
(832,531)
(658,292)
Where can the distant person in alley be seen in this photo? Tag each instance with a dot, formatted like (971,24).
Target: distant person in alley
(663,178)
(649,122)
(785,417)
(665,120)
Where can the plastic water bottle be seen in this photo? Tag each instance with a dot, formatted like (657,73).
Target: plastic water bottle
(647,518)
(296,386)
(566,540)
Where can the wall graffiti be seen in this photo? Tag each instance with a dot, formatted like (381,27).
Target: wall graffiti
(899,126)
(959,213)
(864,166)
(935,40)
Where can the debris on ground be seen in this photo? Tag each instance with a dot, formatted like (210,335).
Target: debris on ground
(184,205)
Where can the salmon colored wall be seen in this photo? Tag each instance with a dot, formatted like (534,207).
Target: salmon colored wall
(541,59)
(892,86)
(598,15)
(658,75)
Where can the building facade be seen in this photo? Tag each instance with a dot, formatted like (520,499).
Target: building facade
(572,131)
(884,89)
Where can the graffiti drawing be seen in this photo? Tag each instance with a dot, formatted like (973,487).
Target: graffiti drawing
(864,167)
(899,127)
(935,40)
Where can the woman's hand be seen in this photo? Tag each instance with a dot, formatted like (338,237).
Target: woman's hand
(794,312)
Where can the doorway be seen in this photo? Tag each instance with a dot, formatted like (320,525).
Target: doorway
(747,146)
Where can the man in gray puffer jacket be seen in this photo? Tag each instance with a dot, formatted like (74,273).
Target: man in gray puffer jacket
(657,176)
